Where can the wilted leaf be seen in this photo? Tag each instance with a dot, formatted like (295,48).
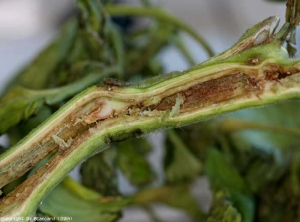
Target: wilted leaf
(177,196)
(180,163)
(199,137)
(133,163)
(262,171)
(98,173)
(257,166)
(278,203)
(280,200)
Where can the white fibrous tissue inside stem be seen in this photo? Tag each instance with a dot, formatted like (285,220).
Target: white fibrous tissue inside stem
(106,109)
(109,107)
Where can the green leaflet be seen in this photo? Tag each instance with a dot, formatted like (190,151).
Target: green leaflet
(18,105)
(133,163)
(257,166)
(221,174)
(277,115)
(225,177)
(245,204)
(16,133)
(180,163)
(264,170)
(62,202)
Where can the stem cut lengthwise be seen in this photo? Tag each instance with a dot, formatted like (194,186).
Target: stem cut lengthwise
(253,76)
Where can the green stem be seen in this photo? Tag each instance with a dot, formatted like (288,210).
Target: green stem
(58,94)
(118,48)
(98,135)
(175,139)
(98,116)
(185,52)
(80,190)
(151,213)
(161,15)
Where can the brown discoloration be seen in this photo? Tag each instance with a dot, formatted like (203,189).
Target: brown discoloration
(212,92)
(200,94)
(226,87)
(274,72)
(13,171)
(26,188)
(196,95)
(39,151)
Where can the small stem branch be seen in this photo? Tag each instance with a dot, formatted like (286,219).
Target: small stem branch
(230,125)
(151,213)
(161,15)
(183,49)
